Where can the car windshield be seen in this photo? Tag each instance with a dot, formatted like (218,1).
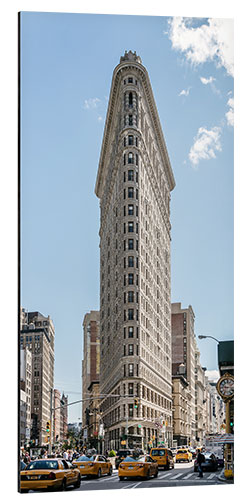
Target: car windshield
(84,458)
(124,453)
(142,459)
(158,453)
(182,451)
(43,464)
(129,459)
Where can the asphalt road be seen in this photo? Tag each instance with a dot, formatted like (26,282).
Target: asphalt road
(182,475)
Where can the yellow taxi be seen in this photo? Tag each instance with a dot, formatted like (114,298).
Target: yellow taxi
(49,474)
(143,467)
(163,456)
(96,465)
(183,455)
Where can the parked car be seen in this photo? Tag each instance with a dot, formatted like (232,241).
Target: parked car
(183,455)
(143,467)
(49,474)
(121,454)
(210,464)
(163,456)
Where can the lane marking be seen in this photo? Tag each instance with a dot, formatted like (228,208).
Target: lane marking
(211,475)
(177,475)
(189,475)
(165,475)
(137,484)
(128,486)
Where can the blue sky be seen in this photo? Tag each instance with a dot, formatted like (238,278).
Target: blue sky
(67,61)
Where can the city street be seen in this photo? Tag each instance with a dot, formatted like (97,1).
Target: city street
(182,475)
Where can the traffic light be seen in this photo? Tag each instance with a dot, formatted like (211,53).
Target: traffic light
(231,424)
(135,403)
(48,426)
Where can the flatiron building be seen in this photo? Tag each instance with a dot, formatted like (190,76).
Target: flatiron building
(133,184)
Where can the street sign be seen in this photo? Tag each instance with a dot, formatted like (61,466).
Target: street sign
(85,433)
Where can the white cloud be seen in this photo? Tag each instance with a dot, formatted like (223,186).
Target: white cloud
(185,92)
(213,375)
(207,142)
(205,81)
(99,118)
(91,103)
(212,41)
(230,113)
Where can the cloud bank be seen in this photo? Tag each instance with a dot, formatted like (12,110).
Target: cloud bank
(212,41)
(206,143)
(184,92)
(230,113)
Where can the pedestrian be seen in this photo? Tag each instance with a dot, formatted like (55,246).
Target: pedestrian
(200,459)
(65,455)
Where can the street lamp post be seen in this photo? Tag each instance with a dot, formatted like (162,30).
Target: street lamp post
(208,337)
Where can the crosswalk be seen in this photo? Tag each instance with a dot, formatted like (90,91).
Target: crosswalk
(163,477)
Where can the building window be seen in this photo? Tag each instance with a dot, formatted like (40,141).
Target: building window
(130,296)
(131,244)
(130,410)
(136,159)
(130,140)
(130,279)
(130,192)
(130,99)
(124,350)
(131,370)
(131,389)
(130,227)
(131,332)
(130,80)
(130,120)
(124,159)
(130,314)
(131,349)
(130,175)
(124,333)
(124,370)
(130,158)
(130,261)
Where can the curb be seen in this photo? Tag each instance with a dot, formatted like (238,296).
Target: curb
(222,478)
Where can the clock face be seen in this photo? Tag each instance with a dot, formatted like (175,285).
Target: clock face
(226,387)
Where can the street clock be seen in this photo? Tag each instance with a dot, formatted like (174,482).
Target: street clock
(225,386)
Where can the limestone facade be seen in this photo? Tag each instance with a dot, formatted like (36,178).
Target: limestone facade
(133,184)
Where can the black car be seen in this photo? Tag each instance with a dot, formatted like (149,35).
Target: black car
(210,464)
(121,454)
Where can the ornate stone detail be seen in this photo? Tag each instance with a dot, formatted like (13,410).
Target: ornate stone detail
(130,56)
